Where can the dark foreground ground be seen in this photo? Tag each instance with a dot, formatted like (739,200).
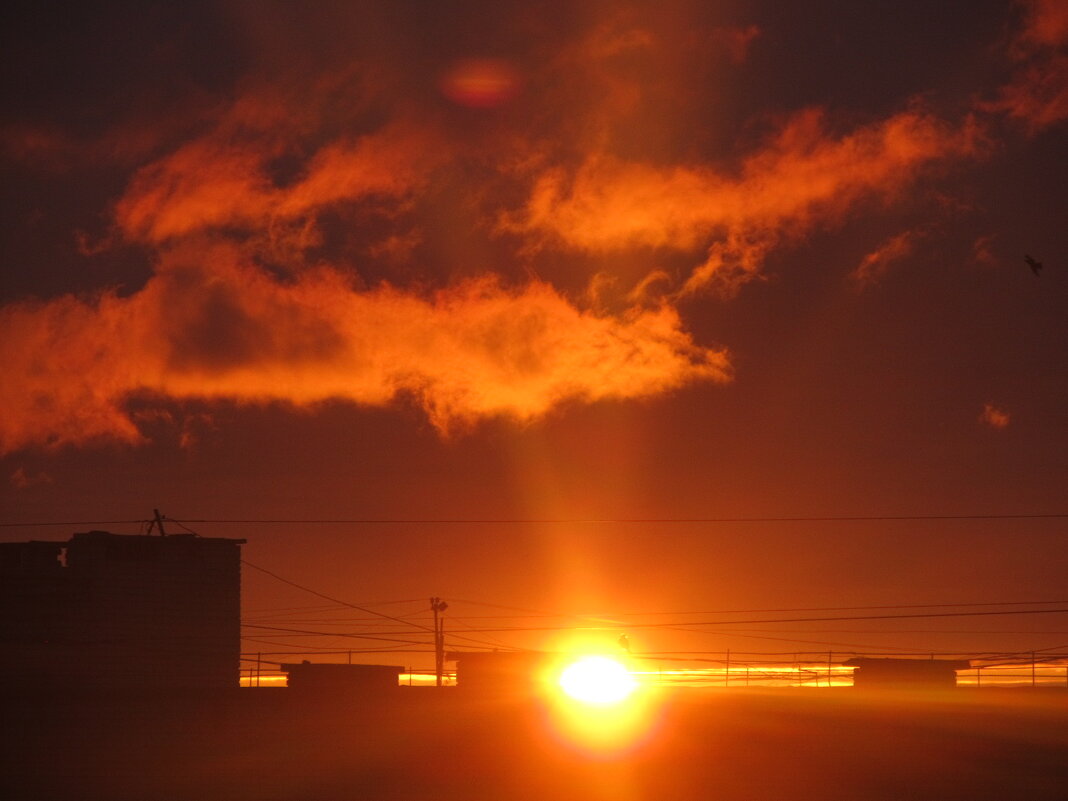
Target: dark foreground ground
(420,744)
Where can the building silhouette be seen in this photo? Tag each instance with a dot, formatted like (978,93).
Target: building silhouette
(905,674)
(503,672)
(340,680)
(105,610)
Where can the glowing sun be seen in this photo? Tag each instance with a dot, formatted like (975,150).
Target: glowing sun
(597,680)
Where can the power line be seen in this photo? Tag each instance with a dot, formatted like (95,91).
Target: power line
(608,616)
(325,607)
(764,634)
(864,617)
(735,633)
(682,624)
(333,649)
(359,608)
(412,650)
(332,599)
(353,635)
(75,523)
(664,520)
(543,520)
(771,620)
(360,636)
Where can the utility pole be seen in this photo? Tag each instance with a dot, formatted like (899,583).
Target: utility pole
(158,523)
(437,606)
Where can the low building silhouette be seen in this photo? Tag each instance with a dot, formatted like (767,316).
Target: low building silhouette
(905,674)
(333,679)
(107,610)
(503,672)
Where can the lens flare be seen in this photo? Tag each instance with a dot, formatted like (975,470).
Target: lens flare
(480,83)
(597,680)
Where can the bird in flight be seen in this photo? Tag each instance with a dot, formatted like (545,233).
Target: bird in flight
(1034,265)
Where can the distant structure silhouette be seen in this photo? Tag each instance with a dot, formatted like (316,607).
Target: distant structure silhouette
(905,674)
(1036,266)
(335,680)
(107,610)
(498,673)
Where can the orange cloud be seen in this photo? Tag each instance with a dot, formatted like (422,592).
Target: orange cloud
(1038,93)
(210,184)
(1038,96)
(21,479)
(272,160)
(736,41)
(1047,24)
(875,264)
(127,142)
(267,167)
(994,416)
(209,325)
(803,177)
(983,251)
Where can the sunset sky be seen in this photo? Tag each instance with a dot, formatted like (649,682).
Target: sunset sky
(558,262)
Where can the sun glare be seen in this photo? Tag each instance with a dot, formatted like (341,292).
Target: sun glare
(597,680)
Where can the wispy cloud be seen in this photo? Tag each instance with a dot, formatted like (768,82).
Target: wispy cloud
(1046,24)
(875,265)
(804,177)
(223,181)
(24,479)
(736,40)
(1037,95)
(994,416)
(983,251)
